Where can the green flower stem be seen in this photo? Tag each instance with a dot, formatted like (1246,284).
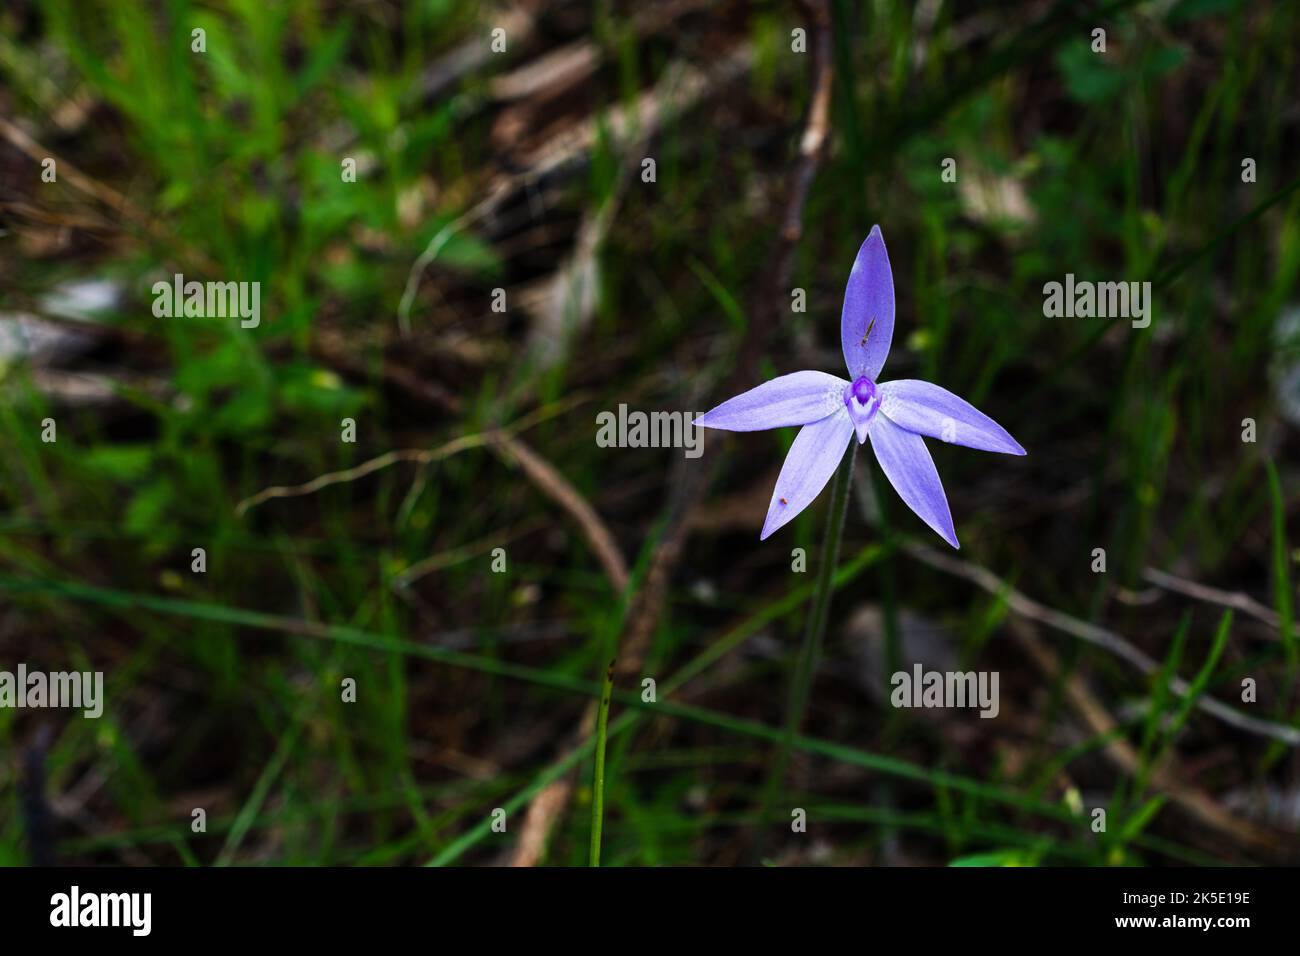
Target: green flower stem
(801,686)
(598,783)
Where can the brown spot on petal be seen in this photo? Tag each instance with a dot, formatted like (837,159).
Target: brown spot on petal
(784,502)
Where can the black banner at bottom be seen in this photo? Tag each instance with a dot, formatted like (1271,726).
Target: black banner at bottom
(332,906)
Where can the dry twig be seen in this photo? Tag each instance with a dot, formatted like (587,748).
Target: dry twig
(1193,800)
(1099,637)
(1203,592)
(107,195)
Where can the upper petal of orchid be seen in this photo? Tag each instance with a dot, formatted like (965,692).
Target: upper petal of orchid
(927,409)
(907,464)
(795,399)
(817,449)
(867,319)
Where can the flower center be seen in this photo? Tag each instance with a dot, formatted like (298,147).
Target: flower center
(861,400)
(863,390)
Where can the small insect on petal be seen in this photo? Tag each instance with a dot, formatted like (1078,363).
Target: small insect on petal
(784,502)
(866,335)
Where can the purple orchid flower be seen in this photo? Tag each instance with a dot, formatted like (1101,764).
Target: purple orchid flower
(894,415)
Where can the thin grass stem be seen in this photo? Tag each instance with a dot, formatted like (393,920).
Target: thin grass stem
(598,782)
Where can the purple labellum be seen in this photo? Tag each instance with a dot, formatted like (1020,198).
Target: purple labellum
(862,401)
(832,410)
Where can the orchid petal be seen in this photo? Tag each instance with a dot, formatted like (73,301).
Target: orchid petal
(927,409)
(799,398)
(867,319)
(813,457)
(907,464)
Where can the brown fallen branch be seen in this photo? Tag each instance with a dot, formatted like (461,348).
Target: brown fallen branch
(1202,592)
(545,809)
(545,476)
(518,22)
(1110,641)
(556,487)
(421,456)
(576,61)
(683,87)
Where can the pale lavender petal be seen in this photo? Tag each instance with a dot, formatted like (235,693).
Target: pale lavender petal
(927,409)
(817,449)
(794,399)
(867,319)
(907,464)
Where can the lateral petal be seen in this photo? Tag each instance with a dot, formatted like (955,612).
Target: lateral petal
(927,409)
(813,457)
(795,399)
(907,464)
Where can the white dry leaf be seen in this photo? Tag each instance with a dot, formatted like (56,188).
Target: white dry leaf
(562,304)
(993,198)
(1285,369)
(555,69)
(1274,806)
(84,300)
(28,337)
